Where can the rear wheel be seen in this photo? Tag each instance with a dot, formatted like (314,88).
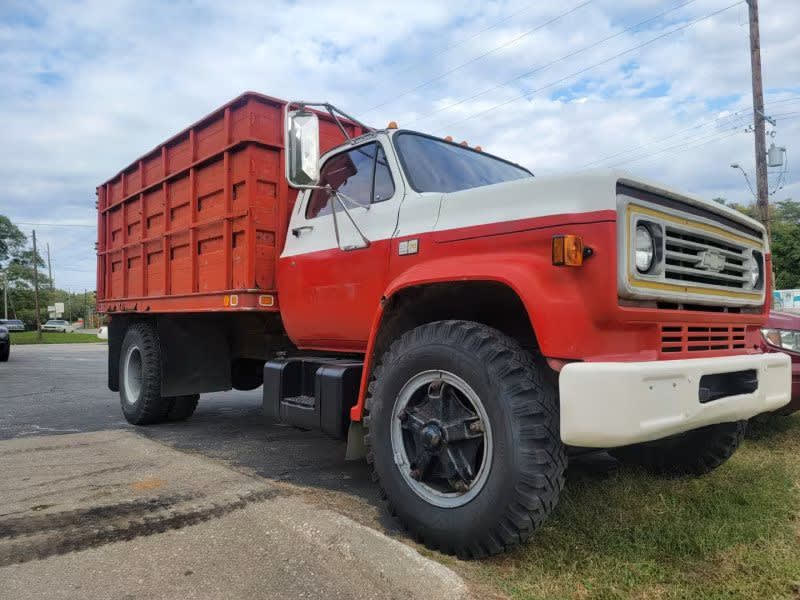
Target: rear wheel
(462,434)
(695,452)
(140,376)
(5,352)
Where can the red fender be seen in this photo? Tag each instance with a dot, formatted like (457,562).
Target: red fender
(527,274)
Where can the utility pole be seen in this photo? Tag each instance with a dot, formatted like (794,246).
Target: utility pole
(36,288)
(85,313)
(5,295)
(762,193)
(49,268)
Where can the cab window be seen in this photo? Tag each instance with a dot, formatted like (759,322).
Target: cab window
(361,175)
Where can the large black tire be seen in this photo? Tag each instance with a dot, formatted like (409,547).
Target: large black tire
(182,407)
(140,376)
(695,452)
(5,353)
(528,460)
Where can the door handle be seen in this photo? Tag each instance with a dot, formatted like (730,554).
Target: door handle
(297,231)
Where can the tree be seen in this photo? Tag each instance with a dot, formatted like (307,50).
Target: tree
(785,219)
(17,264)
(12,240)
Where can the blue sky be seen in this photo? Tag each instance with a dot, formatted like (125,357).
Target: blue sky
(650,86)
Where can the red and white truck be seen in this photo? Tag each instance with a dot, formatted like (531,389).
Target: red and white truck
(462,322)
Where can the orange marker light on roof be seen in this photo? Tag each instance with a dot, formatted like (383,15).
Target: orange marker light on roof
(465,144)
(567,250)
(449,138)
(392,125)
(478,149)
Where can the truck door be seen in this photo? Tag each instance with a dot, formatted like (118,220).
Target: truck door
(333,271)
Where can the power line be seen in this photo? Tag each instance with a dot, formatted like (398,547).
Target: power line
(684,145)
(467,39)
(477,58)
(553,62)
(717,136)
(54,224)
(739,113)
(719,120)
(598,64)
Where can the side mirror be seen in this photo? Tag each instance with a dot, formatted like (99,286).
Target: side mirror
(302,148)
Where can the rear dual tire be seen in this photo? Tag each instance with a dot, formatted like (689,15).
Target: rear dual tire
(463,437)
(140,381)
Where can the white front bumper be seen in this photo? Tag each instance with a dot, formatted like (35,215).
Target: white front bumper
(604,405)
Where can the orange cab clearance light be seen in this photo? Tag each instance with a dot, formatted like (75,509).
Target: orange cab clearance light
(465,144)
(478,149)
(392,125)
(449,138)
(567,250)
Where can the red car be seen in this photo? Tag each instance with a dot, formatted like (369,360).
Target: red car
(782,334)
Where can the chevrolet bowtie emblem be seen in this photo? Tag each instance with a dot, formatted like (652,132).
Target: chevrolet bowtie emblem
(711,260)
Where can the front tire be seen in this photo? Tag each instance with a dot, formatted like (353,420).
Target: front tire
(182,407)
(140,376)
(463,437)
(5,353)
(695,452)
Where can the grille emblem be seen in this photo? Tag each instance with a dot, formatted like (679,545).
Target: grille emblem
(711,260)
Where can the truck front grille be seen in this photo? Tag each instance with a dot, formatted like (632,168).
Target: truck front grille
(686,262)
(701,257)
(687,339)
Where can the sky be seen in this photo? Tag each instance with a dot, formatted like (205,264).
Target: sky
(660,88)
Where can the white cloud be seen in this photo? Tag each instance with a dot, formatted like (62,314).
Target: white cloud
(86,86)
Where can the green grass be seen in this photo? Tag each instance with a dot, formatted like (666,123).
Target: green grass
(732,534)
(29,337)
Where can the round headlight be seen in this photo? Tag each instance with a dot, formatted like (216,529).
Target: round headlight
(752,273)
(645,249)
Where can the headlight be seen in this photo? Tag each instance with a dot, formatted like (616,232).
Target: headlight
(753,272)
(645,249)
(782,338)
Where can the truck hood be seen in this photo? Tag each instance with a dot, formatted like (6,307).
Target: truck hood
(584,192)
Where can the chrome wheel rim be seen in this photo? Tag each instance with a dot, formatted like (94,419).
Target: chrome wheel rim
(132,379)
(441,438)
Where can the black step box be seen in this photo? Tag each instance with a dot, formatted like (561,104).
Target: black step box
(313,393)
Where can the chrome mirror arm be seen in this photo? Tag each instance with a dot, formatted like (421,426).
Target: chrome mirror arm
(336,197)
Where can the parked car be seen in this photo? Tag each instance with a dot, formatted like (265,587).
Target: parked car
(5,344)
(782,334)
(58,325)
(12,324)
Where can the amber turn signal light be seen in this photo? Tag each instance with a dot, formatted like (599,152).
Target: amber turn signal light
(567,250)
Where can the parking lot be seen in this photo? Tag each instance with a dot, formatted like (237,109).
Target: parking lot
(223,505)
(226,505)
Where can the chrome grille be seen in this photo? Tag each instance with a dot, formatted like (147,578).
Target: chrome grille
(692,257)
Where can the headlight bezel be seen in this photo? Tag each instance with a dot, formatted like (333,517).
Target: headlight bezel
(639,251)
(756,258)
(656,233)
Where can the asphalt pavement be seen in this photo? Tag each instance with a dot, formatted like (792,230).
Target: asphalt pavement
(224,505)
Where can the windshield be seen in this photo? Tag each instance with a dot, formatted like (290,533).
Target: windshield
(433,165)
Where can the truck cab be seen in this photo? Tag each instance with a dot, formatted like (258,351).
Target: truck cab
(463,324)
